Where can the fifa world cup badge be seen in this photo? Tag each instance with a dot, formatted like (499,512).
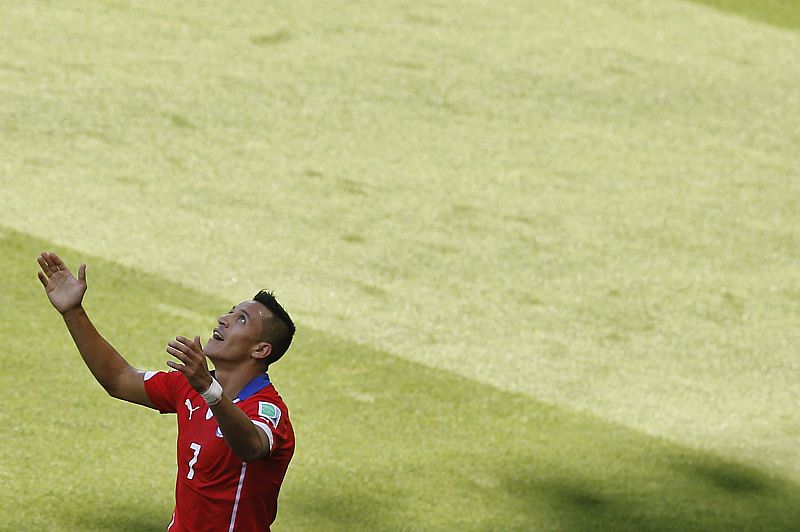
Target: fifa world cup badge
(269,412)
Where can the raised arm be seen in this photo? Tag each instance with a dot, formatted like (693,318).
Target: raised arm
(65,292)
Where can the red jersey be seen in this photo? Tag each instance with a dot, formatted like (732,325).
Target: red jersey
(215,490)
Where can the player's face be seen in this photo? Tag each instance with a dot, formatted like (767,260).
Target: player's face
(237,332)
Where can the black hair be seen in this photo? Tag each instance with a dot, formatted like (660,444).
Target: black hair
(279,329)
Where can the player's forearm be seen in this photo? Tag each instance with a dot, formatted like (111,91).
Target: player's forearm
(100,356)
(246,440)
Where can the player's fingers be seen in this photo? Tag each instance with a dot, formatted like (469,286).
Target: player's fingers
(187,351)
(57,262)
(48,258)
(190,345)
(178,347)
(43,265)
(42,278)
(82,273)
(177,353)
(175,365)
(198,344)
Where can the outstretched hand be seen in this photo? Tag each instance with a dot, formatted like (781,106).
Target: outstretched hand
(63,290)
(194,367)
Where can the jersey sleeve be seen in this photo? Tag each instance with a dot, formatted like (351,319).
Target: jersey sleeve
(162,388)
(271,418)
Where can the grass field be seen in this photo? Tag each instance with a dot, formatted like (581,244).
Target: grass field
(543,256)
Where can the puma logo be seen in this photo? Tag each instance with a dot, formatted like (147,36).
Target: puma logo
(191,410)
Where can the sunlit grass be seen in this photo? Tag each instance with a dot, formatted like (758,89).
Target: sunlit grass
(591,204)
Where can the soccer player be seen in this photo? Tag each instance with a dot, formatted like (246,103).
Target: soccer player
(235,439)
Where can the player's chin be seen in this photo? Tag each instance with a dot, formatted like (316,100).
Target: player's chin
(217,354)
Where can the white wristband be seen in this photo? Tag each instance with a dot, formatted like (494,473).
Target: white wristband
(214,393)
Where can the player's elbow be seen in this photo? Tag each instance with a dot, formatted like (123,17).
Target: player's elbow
(114,391)
(255,450)
(122,385)
(249,457)
(253,455)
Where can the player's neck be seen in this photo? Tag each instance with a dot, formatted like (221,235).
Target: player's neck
(234,379)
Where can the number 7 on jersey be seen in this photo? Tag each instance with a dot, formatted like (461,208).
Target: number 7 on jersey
(196,448)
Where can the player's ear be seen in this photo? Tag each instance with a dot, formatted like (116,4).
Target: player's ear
(262,350)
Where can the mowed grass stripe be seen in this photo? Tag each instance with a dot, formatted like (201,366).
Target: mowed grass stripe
(779,13)
(600,194)
(383,443)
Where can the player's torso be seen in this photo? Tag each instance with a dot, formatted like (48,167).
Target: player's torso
(213,484)
(204,459)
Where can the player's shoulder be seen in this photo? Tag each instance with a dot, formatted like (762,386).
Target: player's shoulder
(269,393)
(158,374)
(173,380)
(268,404)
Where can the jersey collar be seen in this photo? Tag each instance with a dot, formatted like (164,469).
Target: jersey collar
(258,383)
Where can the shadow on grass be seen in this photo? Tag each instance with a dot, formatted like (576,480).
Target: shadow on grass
(391,444)
(780,13)
(387,444)
(691,493)
(119,517)
(352,508)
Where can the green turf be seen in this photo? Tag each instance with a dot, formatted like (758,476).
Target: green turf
(781,13)
(602,196)
(383,443)
(593,204)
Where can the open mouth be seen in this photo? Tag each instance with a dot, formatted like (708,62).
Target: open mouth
(217,336)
